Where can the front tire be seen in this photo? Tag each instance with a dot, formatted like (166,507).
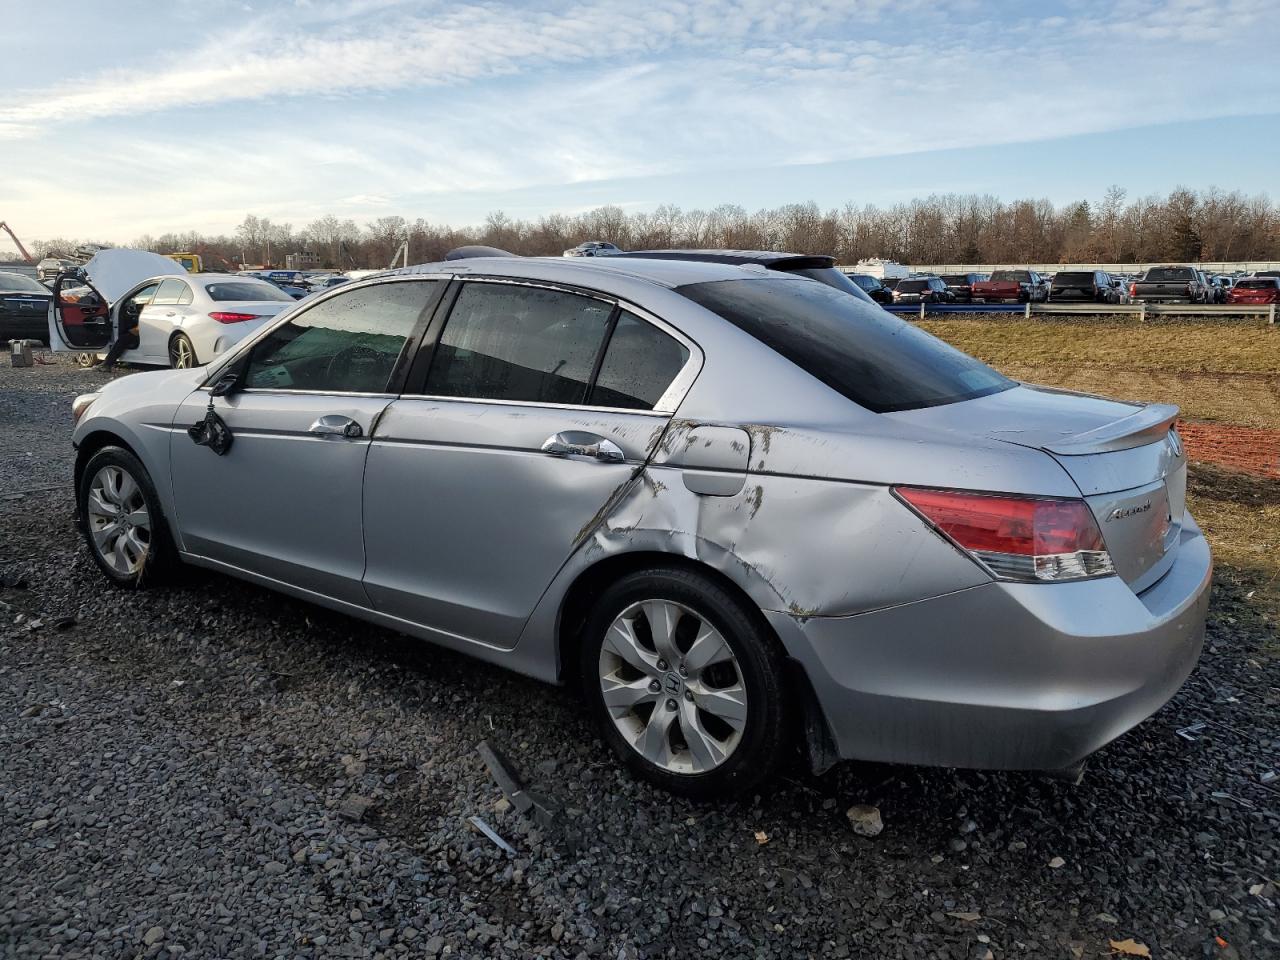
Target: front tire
(686,682)
(122,522)
(182,353)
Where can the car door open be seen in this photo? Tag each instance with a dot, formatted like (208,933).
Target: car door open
(539,406)
(79,316)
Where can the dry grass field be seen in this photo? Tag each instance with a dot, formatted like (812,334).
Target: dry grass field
(1228,373)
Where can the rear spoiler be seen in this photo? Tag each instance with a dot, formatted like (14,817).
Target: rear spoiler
(1147,425)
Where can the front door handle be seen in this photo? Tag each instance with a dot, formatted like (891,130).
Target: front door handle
(577,443)
(336,425)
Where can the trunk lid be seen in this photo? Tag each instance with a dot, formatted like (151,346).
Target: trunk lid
(1124,458)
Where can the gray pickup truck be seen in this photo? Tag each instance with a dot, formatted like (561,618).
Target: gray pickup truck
(1170,285)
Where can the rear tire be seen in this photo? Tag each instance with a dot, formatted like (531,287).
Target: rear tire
(122,521)
(707,718)
(182,353)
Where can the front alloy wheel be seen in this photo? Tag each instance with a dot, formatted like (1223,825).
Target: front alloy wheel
(118,520)
(182,355)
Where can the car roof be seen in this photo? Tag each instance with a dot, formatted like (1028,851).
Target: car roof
(773,259)
(573,270)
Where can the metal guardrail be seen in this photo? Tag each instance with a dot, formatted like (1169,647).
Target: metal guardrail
(1139,310)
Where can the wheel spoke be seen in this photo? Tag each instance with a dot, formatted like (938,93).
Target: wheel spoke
(621,639)
(708,647)
(136,546)
(127,488)
(662,618)
(140,518)
(706,751)
(102,535)
(621,696)
(654,741)
(727,703)
(120,553)
(100,505)
(111,484)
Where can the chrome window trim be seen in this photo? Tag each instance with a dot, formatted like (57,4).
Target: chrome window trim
(284,316)
(666,405)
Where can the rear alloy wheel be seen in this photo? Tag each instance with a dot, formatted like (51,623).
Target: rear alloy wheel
(182,354)
(686,683)
(121,519)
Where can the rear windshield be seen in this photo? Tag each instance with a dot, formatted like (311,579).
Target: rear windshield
(868,355)
(13,282)
(1160,274)
(956,279)
(245,290)
(1268,283)
(864,281)
(1019,276)
(912,286)
(1074,279)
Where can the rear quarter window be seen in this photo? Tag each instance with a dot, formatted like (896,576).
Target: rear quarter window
(868,355)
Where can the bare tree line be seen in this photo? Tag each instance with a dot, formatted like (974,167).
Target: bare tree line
(1185,225)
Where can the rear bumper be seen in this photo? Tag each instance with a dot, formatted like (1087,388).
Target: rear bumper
(1006,675)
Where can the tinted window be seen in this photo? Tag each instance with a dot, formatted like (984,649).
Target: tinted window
(512,342)
(639,364)
(1161,274)
(1267,284)
(1073,279)
(227,290)
(1018,276)
(169,292)
(17,282)
(346,344)
(912,286)
(956,279)
(870,356)
(864,281)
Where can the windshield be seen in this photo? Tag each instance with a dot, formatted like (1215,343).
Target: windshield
(1159,274)
(1018,276)
(225,290)
(870,356)
(20,283)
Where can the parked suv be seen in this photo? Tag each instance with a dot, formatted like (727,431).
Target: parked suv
(1093,286)
(737,509)
(873,287)
(961,285)
(922,290)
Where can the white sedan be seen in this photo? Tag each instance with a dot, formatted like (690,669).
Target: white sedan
(172,318)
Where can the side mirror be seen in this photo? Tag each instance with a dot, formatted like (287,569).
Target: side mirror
(225,384)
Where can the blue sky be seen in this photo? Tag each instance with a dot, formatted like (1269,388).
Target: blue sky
(191,113)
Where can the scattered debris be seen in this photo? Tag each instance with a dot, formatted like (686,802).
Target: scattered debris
(64,623)
(1106,918)
(1192,732)
(761,837)
(1130,948)
(544,810)
(1223,795)
(1267,777)
(1057,862)
(865,820)
(489,832)
(966,916)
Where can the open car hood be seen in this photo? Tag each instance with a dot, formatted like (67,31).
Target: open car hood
(113,273)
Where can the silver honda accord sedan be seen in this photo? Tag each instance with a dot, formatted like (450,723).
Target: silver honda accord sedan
(743,511)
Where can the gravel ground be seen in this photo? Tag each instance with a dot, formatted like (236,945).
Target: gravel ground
(217,771)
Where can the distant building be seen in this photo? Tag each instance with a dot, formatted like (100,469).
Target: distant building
(306,260)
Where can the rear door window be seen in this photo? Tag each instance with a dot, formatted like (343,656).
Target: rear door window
(507,341)
(639,365)
(169,293)
(870,356)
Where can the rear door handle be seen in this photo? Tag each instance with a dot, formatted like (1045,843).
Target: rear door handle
(578,443)
(338,426)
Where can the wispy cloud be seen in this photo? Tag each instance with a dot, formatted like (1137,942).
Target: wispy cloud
(382,100)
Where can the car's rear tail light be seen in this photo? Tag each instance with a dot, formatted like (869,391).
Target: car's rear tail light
(1133,289)
(224,317)
(1017,538)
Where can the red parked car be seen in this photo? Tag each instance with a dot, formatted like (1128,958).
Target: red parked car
(1255,290)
